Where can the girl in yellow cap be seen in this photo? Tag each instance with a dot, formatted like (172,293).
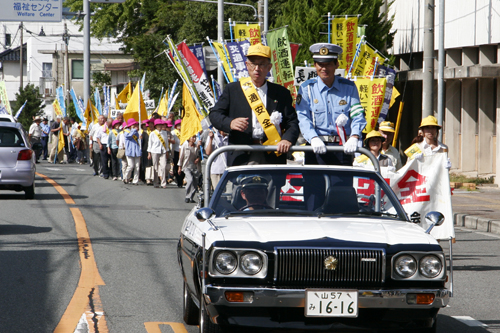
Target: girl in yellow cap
(373,142)
(430,144)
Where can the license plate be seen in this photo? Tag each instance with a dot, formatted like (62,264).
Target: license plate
(331,303)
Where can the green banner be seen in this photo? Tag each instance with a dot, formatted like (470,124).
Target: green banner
(4,99)
(281,58)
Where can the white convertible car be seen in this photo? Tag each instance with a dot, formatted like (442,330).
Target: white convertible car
(287,246)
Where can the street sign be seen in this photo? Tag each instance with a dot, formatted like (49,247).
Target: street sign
(107,1)
(31,10)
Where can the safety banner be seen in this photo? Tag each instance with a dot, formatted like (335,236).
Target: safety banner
(226,63)
(344,34)
(197,75)
(364,65)
(281,58)
(60,98)
(198,52)
(421,186)
(238,60)
(191,121)
(390,75)
(302,74)
(371,96)
(4,98)
(57,107)
(247,31)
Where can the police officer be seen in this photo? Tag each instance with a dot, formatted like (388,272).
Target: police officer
(327,103)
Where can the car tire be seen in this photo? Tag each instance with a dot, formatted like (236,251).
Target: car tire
(208,326)
(191,312)
(29,192)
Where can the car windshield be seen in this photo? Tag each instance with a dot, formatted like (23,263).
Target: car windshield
(313,192)
(10,137)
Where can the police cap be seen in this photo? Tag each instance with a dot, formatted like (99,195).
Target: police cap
(325,52)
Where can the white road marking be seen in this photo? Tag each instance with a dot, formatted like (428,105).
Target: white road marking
(78,169)
(469,321)
(488,234)
(53,169)
(83,326)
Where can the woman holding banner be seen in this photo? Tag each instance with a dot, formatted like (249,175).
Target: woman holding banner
(373,142)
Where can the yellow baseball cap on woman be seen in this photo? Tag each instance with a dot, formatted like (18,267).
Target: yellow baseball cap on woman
(373,134)
(386,126)
(259,50)
(429,121)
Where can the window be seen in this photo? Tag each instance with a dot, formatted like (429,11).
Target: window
(10,137)
(8,40)
(77,69)
(47,69)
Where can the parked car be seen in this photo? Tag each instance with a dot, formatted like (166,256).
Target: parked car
(17,160)
(287,246)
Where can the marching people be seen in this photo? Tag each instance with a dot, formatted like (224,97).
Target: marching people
(176,133)
(79,143)
(102,137)
(373,142)
(54,129)
(386,128)
(121,151)
(428,144)
(113,148)
(45,138)
(220,163)
(157,153)
(255,111)
(327,105)
(132,151)
(94,147)
(189,164)
(35,135)
(146,171)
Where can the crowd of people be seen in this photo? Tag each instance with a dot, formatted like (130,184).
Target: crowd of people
(252,111)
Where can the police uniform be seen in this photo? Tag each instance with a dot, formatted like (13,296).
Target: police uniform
(318,107)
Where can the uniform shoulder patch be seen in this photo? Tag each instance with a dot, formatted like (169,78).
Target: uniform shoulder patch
(308,82)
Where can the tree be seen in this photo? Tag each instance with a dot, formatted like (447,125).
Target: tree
(305,17)
(33,106)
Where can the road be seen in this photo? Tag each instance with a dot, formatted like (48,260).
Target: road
(107,251)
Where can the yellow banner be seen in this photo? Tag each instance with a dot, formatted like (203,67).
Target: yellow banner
(247,31)
(191,122)
(91,114)
(136,105)
(371,96)
(365,63)
(163,108)
(124,95)
(57,108)
(222,56)
(344,34)
(60,143)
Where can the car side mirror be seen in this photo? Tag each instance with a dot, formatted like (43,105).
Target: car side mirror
(204,214)
(434,219)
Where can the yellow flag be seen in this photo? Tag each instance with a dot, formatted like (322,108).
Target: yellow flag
(91,113)
(344,34)
(124,95)
(365,63)
(225,62)
(57,107)
(191,123)
(163,108)
(395,94)
(132,110)
(247,31)
(60,143)
(371,96)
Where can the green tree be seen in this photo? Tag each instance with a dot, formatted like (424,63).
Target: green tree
(305,17)
(31,95)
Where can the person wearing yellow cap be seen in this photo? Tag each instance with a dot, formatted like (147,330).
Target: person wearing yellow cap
(430,144)
(373,142)
(255,111)
(386,128)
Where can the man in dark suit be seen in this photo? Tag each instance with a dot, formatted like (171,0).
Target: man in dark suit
(233,114)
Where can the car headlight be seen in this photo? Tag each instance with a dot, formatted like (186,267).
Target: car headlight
(226,262)
(405,265)
(251,263)
(430,266)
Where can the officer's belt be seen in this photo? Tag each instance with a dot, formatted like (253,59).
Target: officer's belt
(330,138)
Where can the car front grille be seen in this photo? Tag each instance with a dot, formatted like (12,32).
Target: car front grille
(305,268)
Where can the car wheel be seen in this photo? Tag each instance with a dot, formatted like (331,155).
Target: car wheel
(191,313)
(208,326)
(29,192)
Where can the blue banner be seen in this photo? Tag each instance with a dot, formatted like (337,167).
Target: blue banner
(107,100)
(78,105)
(97,100)
(198,52)
(60,99)
(238,60)
(390,75)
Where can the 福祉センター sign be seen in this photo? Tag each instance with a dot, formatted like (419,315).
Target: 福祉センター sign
(31,10)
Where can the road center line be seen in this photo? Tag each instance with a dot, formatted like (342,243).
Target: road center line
(89,274)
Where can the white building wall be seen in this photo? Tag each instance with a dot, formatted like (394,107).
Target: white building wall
(467,23)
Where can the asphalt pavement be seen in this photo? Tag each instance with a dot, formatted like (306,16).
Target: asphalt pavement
(477,209)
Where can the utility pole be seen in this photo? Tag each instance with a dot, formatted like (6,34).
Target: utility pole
(21,57)
(66,62)
(260,14)
(86,51)
(441,84)
(428,66)
(220,37)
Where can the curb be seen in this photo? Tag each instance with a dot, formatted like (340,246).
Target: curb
(476,223)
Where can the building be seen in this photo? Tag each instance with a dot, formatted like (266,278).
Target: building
(49,63)
(472,93)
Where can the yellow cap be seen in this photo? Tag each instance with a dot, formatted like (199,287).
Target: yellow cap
(259,50)
(373,134)
(429,121)
(386,126)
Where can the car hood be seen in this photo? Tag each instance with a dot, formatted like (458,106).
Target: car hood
(371,230)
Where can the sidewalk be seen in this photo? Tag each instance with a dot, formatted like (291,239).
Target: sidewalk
(478,209)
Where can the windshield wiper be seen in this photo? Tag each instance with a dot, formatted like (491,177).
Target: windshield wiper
(360,214)
(270,212)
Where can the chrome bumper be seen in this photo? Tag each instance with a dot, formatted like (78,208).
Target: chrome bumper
(269,297)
